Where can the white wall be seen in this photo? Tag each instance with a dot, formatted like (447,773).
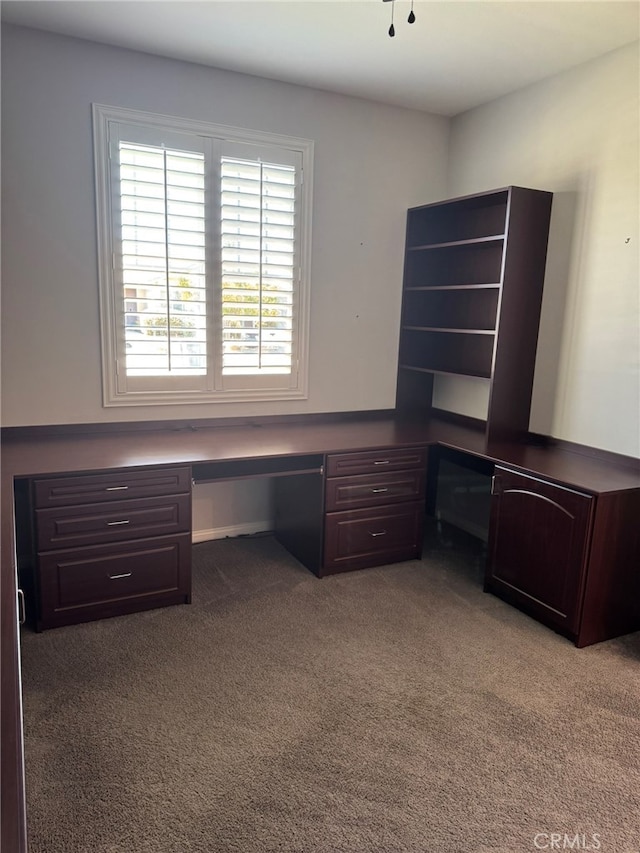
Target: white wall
(232,508)
(575,134)
(371,163)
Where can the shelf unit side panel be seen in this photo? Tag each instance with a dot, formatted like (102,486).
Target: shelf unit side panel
(414,392)
(519,314)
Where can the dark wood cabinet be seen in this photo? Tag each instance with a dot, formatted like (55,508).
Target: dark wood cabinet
(92,524)
(111,543)
(568,558)
(110,486)
(84,584)
(473,279)
(374,489)
(538,539)
(76,582)
(374,504)
(362,538)
(362,509)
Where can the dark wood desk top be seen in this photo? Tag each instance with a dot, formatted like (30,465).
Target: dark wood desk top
(29,455)
(65,454)
(32,453)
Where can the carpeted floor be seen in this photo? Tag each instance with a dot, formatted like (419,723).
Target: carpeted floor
(395,709)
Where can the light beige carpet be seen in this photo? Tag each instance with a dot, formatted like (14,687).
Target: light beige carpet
(395,709)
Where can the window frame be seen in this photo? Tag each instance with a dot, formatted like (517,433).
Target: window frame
(216,387)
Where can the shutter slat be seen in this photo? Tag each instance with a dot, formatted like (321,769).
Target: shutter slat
(163,246)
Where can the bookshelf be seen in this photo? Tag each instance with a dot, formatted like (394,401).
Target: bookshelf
(472,292)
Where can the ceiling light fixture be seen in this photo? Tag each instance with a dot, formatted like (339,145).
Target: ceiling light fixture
(410,19)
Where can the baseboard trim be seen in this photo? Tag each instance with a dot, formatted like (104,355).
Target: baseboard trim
(231,531)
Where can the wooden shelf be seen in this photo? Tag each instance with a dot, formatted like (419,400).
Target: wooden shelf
(437,372)
(473,276)
(448,331)
(456,308)
(489,286)
(463,353)
(455,263)
(463,219)
(426,247)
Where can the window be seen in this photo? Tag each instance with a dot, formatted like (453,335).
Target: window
(204,243)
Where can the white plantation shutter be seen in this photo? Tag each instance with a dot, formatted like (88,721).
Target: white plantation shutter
(259,267)
(204,246)
(162,210)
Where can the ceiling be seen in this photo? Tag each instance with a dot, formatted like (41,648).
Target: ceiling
(457,55)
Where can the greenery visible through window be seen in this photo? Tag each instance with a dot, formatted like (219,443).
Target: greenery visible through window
(204,246)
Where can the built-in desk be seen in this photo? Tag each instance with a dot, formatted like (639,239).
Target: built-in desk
(605,544)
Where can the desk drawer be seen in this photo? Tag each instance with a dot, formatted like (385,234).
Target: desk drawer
(376,461)
(374,489)
(112,486)
(370,537)
(92,524)
(92,583)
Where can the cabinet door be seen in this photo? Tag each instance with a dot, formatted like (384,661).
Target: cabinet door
(538,540)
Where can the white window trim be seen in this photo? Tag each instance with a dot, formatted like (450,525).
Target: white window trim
(102,116)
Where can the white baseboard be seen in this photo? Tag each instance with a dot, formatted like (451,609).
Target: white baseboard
(231,531)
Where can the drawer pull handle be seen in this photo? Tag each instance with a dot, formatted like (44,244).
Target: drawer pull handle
(117,523)
(116,488)
(379,491)
(381,462)
(124,575)
(22,610)
(379,533)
